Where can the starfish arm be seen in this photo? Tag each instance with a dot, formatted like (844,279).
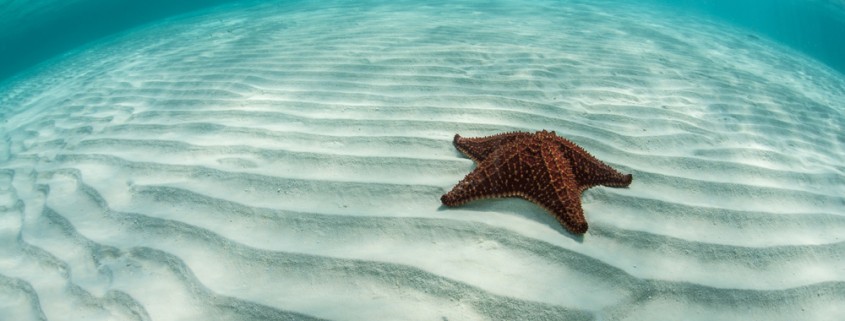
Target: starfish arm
(479,148)
(588,171)
(564,197)
(502,174)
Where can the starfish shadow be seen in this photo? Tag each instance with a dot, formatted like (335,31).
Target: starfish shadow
(519,207)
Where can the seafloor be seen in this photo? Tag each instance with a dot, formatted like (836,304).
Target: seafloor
(286,162)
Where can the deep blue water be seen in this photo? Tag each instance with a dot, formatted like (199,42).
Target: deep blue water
(815,27)
(58,26)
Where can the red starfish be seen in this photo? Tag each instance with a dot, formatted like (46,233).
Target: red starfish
(543,168)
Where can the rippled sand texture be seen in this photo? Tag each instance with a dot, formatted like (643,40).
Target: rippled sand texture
(286,162)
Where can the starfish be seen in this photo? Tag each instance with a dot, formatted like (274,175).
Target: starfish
(542,167)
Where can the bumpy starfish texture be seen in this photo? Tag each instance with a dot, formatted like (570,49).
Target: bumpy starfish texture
(541,167)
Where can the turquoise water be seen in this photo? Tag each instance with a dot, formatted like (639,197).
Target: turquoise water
(285,160)
(815,27)
(33,32)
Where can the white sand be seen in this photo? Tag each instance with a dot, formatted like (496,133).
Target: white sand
(286,162)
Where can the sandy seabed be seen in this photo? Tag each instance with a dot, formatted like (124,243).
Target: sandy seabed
(285,162)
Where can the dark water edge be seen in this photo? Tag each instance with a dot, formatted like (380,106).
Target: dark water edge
(815,27)
(27,39)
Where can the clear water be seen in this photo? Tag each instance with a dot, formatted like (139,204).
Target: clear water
(226,160)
